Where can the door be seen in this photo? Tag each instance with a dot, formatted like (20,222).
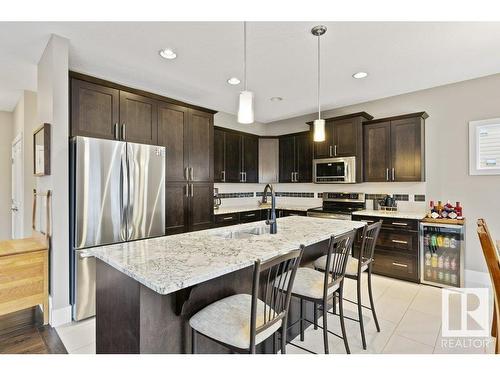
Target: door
(176,197)
(250,158)
(303,155)
(138,118)
(344,138)
(94,110)
(172,134)
(324,149)
(406,147)
(377,151)
(85,280)
(201,152)
(146,191)
(17,189)
(219,155)
(233,157)
(201,205)
(100,196)
(287,159)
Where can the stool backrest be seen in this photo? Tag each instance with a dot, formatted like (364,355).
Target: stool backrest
(369,239)
(339,249)
(493,262)
(273,280)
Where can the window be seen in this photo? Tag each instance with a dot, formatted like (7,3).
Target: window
(484,147)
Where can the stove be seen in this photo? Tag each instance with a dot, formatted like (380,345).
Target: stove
(339,205)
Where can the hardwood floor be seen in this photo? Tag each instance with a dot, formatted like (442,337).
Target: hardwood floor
(23,333)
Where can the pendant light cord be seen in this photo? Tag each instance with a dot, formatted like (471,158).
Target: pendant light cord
(245,54)
(319,72)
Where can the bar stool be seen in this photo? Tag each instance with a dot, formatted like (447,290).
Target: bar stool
(320,287)
(240,322)
(354,270)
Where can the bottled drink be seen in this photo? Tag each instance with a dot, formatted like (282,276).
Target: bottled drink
(453,264)
(446,241)
(446,263)
(426,240)
(440,240)
(446,277)
(440,261)
(453,243)
(453,278)
(458,210)
(434,260)
(440,275)
(435,274)
(428,258)
(434,240)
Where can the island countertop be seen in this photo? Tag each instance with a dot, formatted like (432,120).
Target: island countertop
(170,263)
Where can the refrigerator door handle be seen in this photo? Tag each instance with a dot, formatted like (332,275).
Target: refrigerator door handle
(186,174)
(191,173)
(124,188)
(192,190)
(115,130)
(123,131)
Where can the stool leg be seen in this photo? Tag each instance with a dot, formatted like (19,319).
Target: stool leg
(370,294)
(334,299)
(325,326)
(302,305)
(283,336)
(360,311)
(315,316)
(341,314)
(193,342)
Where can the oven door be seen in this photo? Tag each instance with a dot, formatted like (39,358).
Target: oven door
(335,170)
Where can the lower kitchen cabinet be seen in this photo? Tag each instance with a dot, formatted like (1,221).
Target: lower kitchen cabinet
(189,206)
(222,220)
(397,249)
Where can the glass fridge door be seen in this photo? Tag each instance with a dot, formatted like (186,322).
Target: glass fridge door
(442,253)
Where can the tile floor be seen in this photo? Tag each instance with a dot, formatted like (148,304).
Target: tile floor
(409,317)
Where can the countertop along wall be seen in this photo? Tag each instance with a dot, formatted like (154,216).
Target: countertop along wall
(450,108)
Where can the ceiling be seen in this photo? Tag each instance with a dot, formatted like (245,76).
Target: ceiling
(399,57)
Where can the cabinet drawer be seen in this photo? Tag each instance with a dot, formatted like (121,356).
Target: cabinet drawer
(401,241)
(227,219)
(246,217)
(396,265)
(389,222)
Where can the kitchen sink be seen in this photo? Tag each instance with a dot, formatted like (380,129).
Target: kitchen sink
(243,233)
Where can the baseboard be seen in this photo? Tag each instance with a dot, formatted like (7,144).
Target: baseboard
(476,278)
(60,316)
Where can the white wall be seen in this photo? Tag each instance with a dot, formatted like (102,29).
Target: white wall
(227,120)
(25,121)
(450,108)
(53,108)
(6,126)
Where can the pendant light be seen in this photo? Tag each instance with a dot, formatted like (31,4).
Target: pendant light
(245,108)
(319,123)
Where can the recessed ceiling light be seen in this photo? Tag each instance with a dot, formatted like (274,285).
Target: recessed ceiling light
(276,99)
(167,53)
(233,81)
(359,75)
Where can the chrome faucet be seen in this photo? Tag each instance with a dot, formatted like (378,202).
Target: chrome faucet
(271,221)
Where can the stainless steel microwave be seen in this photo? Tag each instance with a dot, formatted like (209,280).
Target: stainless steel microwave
(334,170)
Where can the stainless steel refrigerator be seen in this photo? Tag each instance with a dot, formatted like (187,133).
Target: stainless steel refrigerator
(117,195)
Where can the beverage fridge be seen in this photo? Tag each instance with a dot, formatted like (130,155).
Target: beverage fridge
(442,254)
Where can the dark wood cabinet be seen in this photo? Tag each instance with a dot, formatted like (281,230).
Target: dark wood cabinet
(236,156)
(394,148)
(95,110)
(377,153)
(344,138)
(138,118)
(201,205)
(219,155)
(295,157)
(397,249)
(176,200)
(200,145)
(173,134)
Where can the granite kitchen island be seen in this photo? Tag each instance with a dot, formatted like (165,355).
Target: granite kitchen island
(147,290)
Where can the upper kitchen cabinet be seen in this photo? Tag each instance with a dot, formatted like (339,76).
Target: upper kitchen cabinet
(343,136)
(200,144)
(173,134)
(295,157)
(138,118)
(236,156)
(394,148)
(95,110)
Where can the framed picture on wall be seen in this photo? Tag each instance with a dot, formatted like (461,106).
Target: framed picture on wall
(41,151)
